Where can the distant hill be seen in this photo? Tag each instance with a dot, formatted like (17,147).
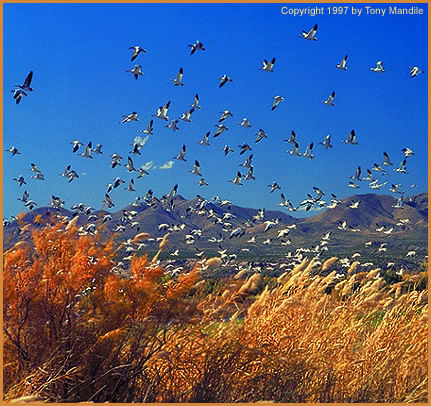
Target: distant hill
(373,211)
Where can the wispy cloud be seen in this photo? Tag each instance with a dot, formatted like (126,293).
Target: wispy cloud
(167,165)
(148,165)
(141,141)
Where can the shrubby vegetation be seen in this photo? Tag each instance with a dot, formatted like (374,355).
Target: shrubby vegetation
(77,330)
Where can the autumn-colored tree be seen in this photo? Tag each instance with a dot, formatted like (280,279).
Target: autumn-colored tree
(79,330)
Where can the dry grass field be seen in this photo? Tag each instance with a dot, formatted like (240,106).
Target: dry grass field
(76,330)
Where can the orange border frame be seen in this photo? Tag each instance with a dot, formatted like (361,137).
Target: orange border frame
(2,2)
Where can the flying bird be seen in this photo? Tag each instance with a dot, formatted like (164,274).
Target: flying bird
(407,152)
(414,71)
(204,140)
(98,149)
(20,180)
(357,175)
(38,176)
(220,129)
(13,150)
(378,168)
(187,116)
(330,100)
(136,51)
(17,95)
(115,160)
(277,100)
(162,111)
(178,81)
(386,161)
(310,35)
(244,148)
(274,186)
(130,167)
(237,179)
(292,138)
(181,154)
(108,202)
(129,117)
(196,46)
(223,80)
(76,144)
(283,201)
(249,175)
(196,169)
(34,168)
(294,150)
(260,135)
(227,149)
(173,125)
(195,104)
(27,82)
(351,138)
(309,152)
(224,115)
(247,162)
(136,71)
(378,67)
(24,197)
(402,167)
(245,123)
(343,64)
(87,151)
(327,142)
(131,186)
(149,129)
(142,172)
(268,66)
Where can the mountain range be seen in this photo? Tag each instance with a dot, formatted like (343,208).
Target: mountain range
(374,211)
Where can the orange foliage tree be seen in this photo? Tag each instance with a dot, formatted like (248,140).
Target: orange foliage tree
(76,330)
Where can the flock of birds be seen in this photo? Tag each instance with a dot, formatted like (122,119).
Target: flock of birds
(204,207)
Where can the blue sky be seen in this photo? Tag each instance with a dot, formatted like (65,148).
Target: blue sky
(79,55)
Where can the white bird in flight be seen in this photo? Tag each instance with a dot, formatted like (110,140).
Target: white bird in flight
(343,64)
(129,117)
(330,100)
(237,179)
(181,154)
(196,46)
(223,80)
(310,35)
(204,140)
(378,67)
(162,111)
(136,51)
(260,135)
(351,138)
(268,66)
(327,142)
(245,123)
(277,100)
(178,81)
(136,71)
(414,71)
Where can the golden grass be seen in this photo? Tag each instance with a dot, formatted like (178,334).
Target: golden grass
(308,338)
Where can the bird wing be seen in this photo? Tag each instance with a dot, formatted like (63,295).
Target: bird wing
(28,79)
